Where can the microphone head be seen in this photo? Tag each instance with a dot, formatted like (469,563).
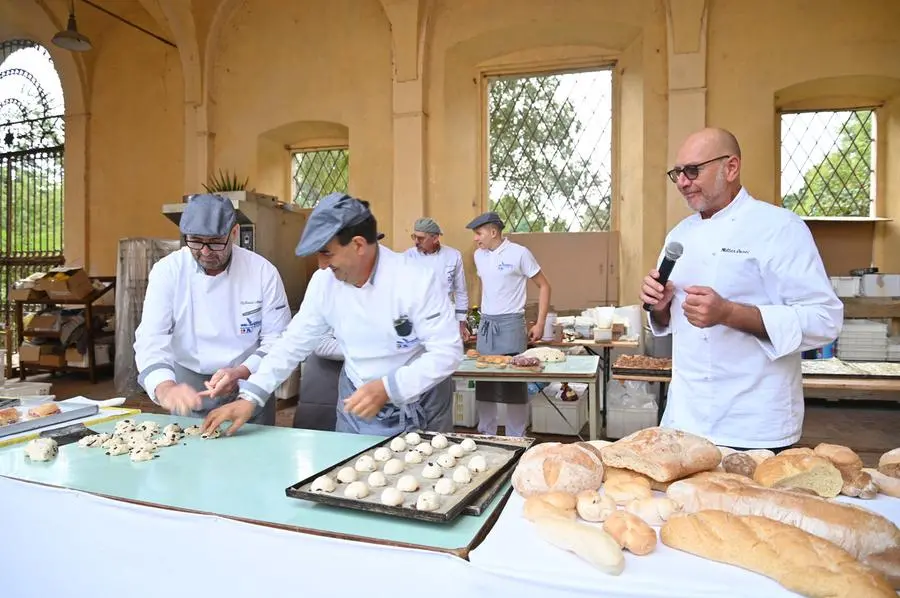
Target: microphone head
(674,250)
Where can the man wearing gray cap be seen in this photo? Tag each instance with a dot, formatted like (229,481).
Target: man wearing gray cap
(445,262)
(211,312)
(504,268)
(394,324)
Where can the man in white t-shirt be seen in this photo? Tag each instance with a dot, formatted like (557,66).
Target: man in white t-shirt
(504,268)
(445,262)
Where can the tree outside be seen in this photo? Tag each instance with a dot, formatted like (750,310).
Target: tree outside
(840,184)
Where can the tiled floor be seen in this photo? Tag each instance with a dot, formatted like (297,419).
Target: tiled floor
(869,427)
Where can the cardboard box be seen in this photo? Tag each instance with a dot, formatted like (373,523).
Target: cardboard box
(53,360)
(66,284)
(45,322)
(26,295)
(75,359)
(32,353)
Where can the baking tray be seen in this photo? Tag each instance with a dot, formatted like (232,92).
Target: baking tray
(68,412)
(636,372)
(481,503)
(502,455)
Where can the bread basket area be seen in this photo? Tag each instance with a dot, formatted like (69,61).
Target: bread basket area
(662,508)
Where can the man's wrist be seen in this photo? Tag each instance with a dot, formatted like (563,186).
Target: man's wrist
(241,372)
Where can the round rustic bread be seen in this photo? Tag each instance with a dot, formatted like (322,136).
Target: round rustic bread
(552,466)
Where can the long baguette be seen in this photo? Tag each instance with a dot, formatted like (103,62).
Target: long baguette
(592,544)
(858,531)
(798,560)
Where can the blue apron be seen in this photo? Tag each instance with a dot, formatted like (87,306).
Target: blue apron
(432,412)
(264,416)
(502,335)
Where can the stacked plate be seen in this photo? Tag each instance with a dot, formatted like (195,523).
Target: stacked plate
(863,340)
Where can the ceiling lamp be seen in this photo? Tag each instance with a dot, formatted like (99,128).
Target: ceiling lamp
(70,39)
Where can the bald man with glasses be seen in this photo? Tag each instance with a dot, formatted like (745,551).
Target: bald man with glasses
(748,295)
(211,312)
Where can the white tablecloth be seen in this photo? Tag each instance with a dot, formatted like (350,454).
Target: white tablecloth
(515,559)
(59,542)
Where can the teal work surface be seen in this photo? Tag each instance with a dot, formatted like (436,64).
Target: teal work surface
(242,476)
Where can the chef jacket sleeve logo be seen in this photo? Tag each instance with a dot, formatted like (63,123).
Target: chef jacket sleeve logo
(404,328)
(250,326)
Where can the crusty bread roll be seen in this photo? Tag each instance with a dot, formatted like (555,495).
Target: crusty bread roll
(611,473)
(725,451)
(760,455)
(624,491)
(553,466)
(631,532)
(588,542)
(796,559)
(593,506)
(654,511)
(739,463)
(800,471)
(844,458)
(859,531)
(549,504)
(860,485)
(889,463)
(663,454)
(9,416)
(886,484)
(800,450)
(44,409)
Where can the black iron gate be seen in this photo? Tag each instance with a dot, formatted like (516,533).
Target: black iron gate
(31,177)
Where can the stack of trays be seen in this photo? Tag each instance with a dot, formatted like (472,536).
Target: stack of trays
(893,349)
(863,340)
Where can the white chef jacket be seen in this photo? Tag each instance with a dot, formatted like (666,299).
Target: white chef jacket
(447,265)
(504,273)
(729,386)
(364,321)
(204,323)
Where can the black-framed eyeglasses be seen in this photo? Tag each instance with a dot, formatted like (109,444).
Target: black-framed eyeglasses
(199,245)
(692,171)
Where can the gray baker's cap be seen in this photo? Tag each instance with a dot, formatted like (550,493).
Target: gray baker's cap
(333,213)
(207,215)
(427,225)
(486,218)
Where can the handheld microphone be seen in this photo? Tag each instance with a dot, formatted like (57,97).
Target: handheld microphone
(673,252)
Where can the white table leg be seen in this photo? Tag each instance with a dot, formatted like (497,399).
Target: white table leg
(593,410)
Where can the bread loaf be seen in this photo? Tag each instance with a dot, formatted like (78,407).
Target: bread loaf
(800,471)
(888,563)
(590,543)
(631,532)
(796,559)
(889,463)
(593,506)
(624,491)
(614,473)
(739,463)
(858,531)
(550,504)
(842,457)
(797,451)
(553,466)
(886,484)
(654,511)
(663,454)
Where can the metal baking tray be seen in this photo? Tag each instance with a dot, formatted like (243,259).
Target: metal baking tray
(641,372)
(479,504)
(67,413)
(502,455)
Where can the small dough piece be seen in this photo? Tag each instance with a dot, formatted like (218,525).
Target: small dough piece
(383,453)
(170,439)
(413,438)
(398,445)
(413,457)
(124,426)
(462,475)
(214,434)
(446,461)
(148,426)
(41,449)
(142,454)
(428,501)
(456,451)
(365,463)
(593,506)
(445,486)
(393,467)
(425,449)
(392,497)
(631,532)
(91,441)
(377,480)
(323,483)
(407,483)
(112,441)
(192,430)
(468,445)
(120,448)
(432,471)
(356,490)
(440,441)
(173,429)
(477,464)
(346,475)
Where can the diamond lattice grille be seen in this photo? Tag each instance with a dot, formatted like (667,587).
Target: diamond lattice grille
(318,173)
(828,163)
(550,141)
